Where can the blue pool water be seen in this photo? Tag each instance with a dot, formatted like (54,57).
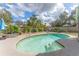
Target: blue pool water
(41,43)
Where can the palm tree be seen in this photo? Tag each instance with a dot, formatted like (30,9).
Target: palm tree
(35,24)
(6,15)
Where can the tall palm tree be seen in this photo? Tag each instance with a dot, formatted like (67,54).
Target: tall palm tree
(6,15)
(34,23)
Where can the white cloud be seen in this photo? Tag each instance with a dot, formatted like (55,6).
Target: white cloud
(12,12)
(23,7)
(66,10)
(39,8)
(23,20)
(20,9)
(9,5)
(15,10)
(52,14)
(47,12)
(1,8)
(28,18)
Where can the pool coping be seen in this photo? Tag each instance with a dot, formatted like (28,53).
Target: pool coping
(42,34)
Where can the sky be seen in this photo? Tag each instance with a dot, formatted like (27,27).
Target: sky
(47,12)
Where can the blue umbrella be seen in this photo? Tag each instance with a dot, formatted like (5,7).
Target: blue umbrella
(2,24)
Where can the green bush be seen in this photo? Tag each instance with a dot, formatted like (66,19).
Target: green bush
(40,29)
(16,29)
(34,30)
(28,29)
(12,29)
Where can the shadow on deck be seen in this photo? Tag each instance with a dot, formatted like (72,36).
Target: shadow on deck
(71,48)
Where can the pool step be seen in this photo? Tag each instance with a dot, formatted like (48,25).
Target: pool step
(48,47)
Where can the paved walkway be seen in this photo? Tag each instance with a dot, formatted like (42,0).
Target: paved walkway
(8,46)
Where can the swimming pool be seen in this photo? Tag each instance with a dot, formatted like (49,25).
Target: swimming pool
(41,43)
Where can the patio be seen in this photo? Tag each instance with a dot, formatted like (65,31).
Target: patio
(71,48)
(8,47)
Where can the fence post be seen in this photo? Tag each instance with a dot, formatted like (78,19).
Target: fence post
(77,16)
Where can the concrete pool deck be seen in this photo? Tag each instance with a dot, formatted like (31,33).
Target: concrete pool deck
(8,46)
(71,49)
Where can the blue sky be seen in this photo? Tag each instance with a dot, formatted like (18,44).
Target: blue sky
(26,15)
(24,11)
(68,6)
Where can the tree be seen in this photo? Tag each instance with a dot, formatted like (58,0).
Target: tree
(72,18)
(34,24)
(6,15)
(60,21)
(12,29)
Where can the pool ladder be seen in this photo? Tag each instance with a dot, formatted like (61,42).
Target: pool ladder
(48,47)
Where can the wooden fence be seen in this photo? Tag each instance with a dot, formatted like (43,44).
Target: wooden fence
(65,29)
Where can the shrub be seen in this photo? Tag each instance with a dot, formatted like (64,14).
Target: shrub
(12,29)
(16,29)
